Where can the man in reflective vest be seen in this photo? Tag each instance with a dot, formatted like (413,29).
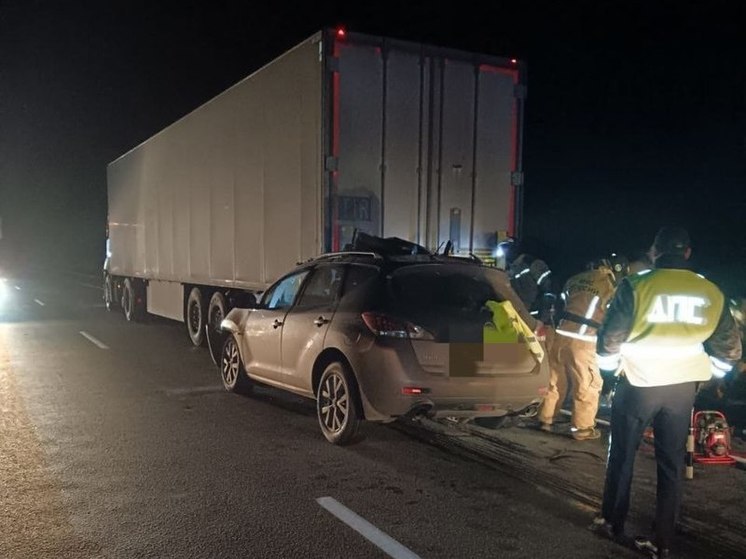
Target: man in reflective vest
(667,329)
(573,354)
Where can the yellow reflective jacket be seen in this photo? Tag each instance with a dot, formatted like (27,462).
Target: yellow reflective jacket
(508,327)
(663,324)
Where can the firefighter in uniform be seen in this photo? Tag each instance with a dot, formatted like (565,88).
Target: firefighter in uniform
(572,356)
(531,279)
(667,329)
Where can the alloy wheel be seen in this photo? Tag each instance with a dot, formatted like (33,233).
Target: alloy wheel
(334,403)
(231,363)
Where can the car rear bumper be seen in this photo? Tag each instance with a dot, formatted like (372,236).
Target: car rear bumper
(386,374)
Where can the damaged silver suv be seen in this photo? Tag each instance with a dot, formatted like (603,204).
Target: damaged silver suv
(374,337)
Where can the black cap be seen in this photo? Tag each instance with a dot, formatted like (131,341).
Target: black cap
(671,240)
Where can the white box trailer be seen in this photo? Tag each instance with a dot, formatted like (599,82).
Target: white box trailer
(345,131)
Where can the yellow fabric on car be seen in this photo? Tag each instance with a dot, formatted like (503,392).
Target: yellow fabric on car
(507,326)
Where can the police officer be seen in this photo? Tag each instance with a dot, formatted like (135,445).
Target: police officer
(669,329)
(572,356)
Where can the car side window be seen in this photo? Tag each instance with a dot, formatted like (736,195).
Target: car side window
(282,294)
(322,288)
(359,287)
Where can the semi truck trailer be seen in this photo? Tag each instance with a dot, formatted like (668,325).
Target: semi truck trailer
(344,132)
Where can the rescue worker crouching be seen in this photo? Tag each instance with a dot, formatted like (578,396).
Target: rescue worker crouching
(661,327)
(572,356)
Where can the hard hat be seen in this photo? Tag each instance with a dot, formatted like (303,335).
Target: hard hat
(619,265)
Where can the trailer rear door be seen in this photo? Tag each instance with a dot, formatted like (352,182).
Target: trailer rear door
(423,144)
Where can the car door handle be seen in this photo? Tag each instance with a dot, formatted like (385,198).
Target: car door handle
(320,321)
(277,323)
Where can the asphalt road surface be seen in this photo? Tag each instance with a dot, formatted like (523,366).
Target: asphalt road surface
(117,440)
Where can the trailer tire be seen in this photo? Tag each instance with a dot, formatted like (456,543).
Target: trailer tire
(109,302)
(130,305)
(216,310)
(195,317)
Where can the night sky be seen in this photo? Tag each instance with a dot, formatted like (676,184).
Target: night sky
(635,117)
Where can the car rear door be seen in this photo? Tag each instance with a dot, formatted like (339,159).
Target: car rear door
(307,322)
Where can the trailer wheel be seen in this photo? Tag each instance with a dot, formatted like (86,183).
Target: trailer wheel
(194,316)
(129,301)
(216,310)
(108,293)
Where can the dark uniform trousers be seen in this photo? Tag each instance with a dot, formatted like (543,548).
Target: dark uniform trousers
(669,410)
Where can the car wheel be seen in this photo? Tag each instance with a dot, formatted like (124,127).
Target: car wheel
(108,293)
(216,310)
(337,404)
(232,371)
(195,317)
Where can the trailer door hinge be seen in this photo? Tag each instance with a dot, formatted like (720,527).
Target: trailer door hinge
(516,178)
(332,164)
(519,91)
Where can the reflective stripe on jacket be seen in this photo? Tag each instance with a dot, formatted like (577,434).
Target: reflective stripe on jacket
(586,296)
(663,324)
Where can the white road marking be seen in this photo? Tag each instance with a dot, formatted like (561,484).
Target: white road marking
(40,303)
(18,287)
(98,287)
(93,340)
(388,545)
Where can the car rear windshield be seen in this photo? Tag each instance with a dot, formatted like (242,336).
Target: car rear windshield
(444,291)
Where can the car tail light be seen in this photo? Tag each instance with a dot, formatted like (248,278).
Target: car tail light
(388,327)
(414,390)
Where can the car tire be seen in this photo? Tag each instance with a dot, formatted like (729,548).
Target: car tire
(216,310)
(195,316)
(232,371)
(338,405)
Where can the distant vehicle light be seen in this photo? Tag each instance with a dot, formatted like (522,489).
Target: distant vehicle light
(341,33)
(514,61)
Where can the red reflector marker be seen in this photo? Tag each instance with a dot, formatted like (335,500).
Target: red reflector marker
(412,390)
(341,33)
